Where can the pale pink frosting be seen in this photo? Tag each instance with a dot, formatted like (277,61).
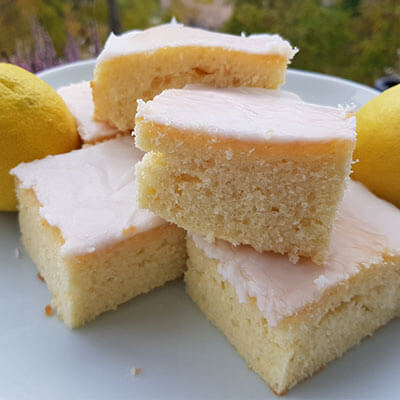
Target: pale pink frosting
(177,35)
(248,114)
(366,229)
(78,98)
(89,194)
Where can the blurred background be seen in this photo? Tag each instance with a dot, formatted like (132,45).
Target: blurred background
(354,39)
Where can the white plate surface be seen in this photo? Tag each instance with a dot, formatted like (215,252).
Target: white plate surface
(181,354)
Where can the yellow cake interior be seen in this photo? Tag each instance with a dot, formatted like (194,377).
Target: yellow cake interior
(233,189)
(85,286)
(119,82)
(302,344)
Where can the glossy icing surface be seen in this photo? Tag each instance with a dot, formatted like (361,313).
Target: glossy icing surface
(177,35)
(247,114)
(78,98)
(89,194)
(366,228)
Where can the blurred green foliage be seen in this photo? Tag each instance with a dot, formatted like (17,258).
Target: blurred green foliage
(356,39)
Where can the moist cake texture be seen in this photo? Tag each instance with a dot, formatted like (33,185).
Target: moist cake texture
(78,97)
(287,320)
(141,64)
(247,165)
(81,226)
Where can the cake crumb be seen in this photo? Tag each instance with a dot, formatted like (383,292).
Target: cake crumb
(136,371)
(48,310)
(39,275)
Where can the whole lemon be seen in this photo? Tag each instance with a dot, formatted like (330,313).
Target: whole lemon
(378,145)
(34,122)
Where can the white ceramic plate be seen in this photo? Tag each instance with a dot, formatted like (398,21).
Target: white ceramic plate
(181,354)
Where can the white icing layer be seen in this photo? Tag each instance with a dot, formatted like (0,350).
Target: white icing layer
(177,35)
(366,228)
(248,114)
(89,194)
(78,98)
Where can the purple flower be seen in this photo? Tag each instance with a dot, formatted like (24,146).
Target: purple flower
(95,46)
(16,60)
(71,51)
(44,55)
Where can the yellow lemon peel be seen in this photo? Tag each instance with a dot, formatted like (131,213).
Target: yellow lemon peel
(34,122)
(378,145)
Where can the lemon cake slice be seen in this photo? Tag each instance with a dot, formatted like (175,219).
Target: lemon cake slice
(141,64)
(288,321)
(248,165)
(82,228)
(79,100)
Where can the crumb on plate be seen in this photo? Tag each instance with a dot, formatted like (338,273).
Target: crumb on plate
(136,371)
(39,275)
(48,310)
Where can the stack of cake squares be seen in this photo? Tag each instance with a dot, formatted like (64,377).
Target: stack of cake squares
(290,270)
(289,258)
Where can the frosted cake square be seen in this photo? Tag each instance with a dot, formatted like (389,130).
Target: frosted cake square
(82,228)
(79,100)
(247,165)
(141,64)
(287,321)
